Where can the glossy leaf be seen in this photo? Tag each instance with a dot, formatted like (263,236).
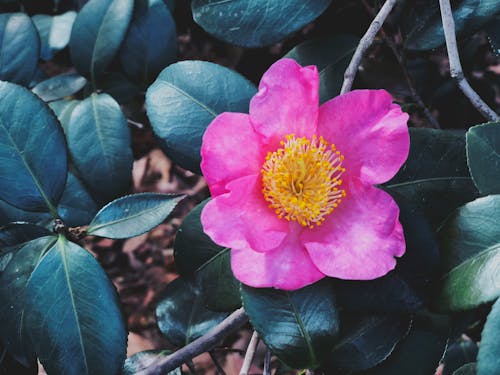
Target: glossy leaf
(483,156)
(97,34)
(133,215)
(99,141)
(300,327)
(76,207)
(19,232)
(9,214)
(183,101)
(142,360)
(488,358)
(13,281)
(54,32)
(63,109)
(59,86)
(151,42)
(19,48)
(255,23)
(470,248)
(84,333)
(33,158)
(181,315)
(366,341)
(331,56)
(198,257)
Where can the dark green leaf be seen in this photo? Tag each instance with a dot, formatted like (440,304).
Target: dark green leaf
(9,213)
(470,246)
(76,206)
(97,34)
(493,30)
(488,358)
(9,366)
(73,315)
(467,369)
(119,87)
(63,110)
(197,256)
(366,341)
(183,101)
(59,86)
(255,23)
(300,326)
(133,215)
(331,56)
(458,354)
(181,314)
(99,141)
(54,32)
(32,158)
(142,360)
(19,48)
(483,156)
(19,232)
(13,282)
(150,44)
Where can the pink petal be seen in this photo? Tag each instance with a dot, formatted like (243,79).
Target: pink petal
(287,267)
(230,149)
(369,130)
(359,239)
(241,218)
(287,101)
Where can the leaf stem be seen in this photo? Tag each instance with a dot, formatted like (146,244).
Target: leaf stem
(252,346)
(267,363)
(205,343)
(456,71)
(364,44)
(220,370)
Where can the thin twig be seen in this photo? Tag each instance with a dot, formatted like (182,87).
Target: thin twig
(456,71)
(267,363)
(138,125)
(252,346)
(203,344)
(364,44)
(191,366)
(220,370)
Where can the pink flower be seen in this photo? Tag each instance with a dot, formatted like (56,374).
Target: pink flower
(292,182)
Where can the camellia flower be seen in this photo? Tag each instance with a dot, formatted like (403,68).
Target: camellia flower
(292,182)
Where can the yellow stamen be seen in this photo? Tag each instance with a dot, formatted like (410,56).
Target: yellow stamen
(301,181)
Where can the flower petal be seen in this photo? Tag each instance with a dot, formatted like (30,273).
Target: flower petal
(359,239)
(230,149)
(287,267)
(287,101)
(369,130)
(241,218)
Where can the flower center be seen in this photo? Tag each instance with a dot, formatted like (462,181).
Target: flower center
(301,180)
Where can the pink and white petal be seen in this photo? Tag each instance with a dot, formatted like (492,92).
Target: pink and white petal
(369,130)
(287,101)
(287,267)
(230,149)
(241,217)
(360,239)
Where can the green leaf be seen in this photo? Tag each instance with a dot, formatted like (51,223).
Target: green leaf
(331,56)
(470,247)
(59,86)
(13,281)
(255,23)
(366,341)
(119,87)
(54,32)
(198,257)
(142,360)
(19,232)
(133,215)
(99,141)
(9,366)
(151,42)
(32,158)
(300,327)
(97,34)
(73,315)
(63,109)
(457,354)
(488,358)
(9,213)
(467,369)
(483,156)
(19,48)
(181,315)
(183,101)
(76,206)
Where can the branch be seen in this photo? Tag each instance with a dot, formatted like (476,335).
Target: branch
(252,346)
(203,344)
(456,71)
(364,44)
